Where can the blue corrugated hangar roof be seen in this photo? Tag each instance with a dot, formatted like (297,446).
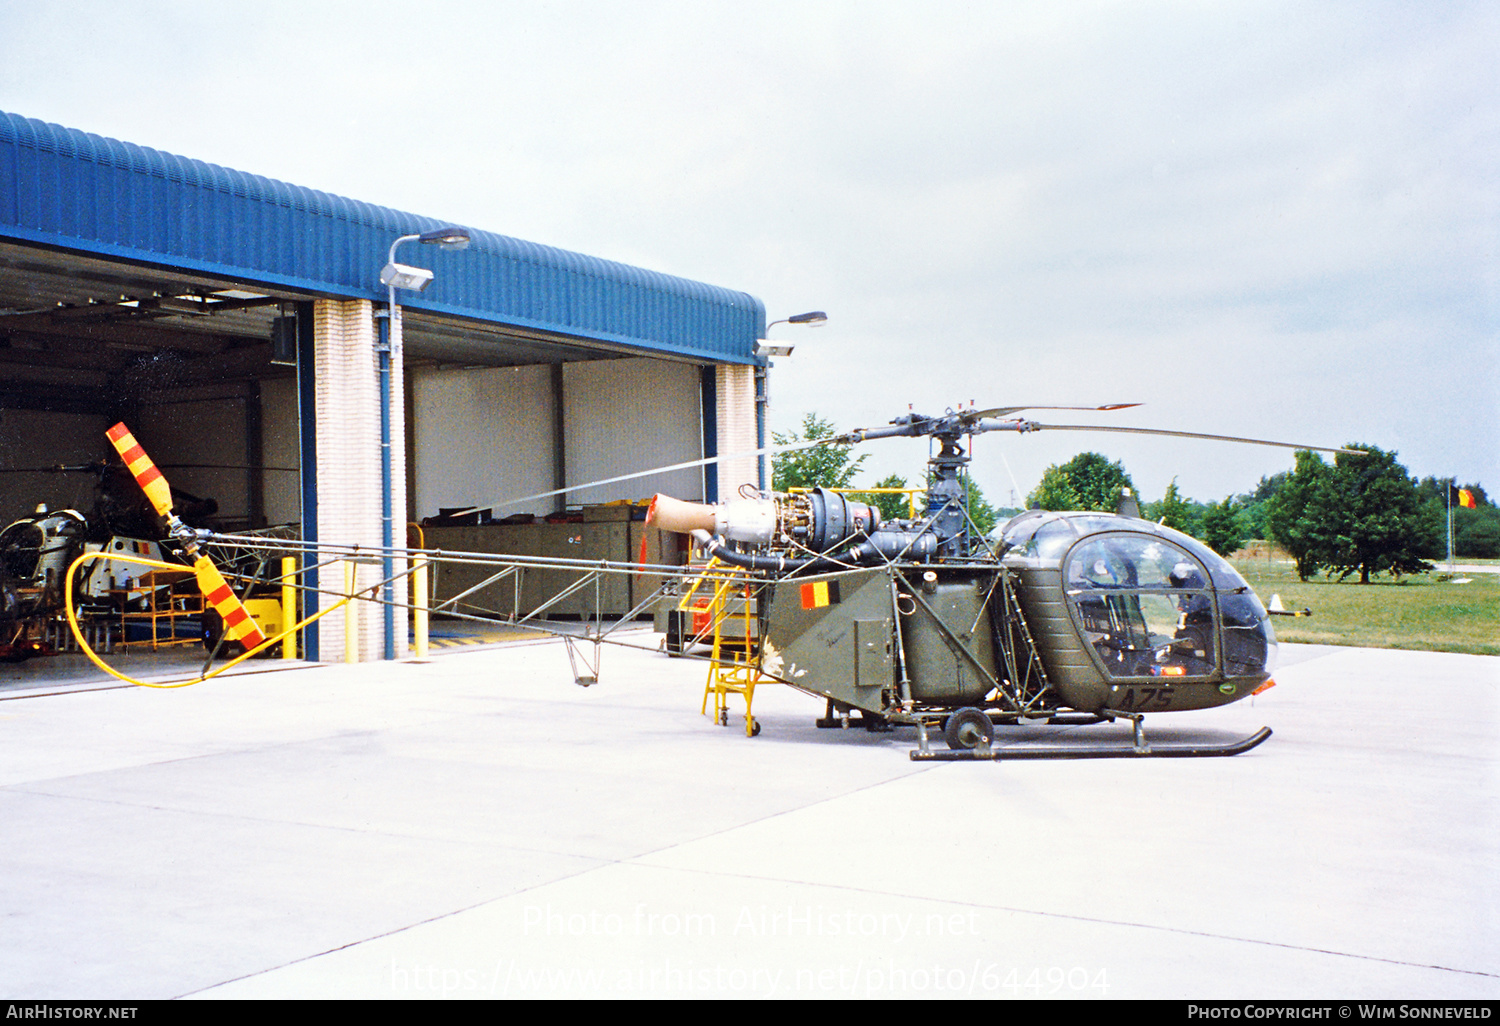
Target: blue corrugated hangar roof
(105,199)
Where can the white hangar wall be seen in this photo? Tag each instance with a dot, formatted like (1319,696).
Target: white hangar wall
(484,435)
(629,415)
(200,444)
(182,430)
(479,435)
(184,433)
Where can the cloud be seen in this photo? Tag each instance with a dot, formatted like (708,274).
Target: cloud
(1259,217)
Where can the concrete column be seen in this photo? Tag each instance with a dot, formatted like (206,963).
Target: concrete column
(347,417)
(734,393)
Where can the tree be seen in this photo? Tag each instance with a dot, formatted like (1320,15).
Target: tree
(892,507)
(1265,488)
(1362,515)
(1252,505)
(1379,522)
(1294,513)
(1223,530)
(1054,491)
(1086,482)
(1476,532)
(822,466)
(1173,510)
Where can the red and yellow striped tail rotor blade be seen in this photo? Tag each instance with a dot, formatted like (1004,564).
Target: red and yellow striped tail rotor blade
(238,624)
(146,474)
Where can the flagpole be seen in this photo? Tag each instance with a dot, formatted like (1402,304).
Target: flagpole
(1452,484)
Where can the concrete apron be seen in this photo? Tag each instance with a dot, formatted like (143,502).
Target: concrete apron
(479,826)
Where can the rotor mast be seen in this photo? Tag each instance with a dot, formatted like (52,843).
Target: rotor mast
(947,501)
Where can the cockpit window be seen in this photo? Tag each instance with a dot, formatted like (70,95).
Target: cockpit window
(1249,641)
(20,547)
(1018,536)
(1145,605)
(1052,540)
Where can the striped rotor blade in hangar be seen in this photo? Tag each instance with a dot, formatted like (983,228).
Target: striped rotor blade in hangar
(238,623)
(139,464)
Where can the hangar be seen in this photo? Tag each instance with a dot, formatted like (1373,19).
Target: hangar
(234,322)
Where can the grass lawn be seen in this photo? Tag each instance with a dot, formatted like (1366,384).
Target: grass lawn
(1427,612)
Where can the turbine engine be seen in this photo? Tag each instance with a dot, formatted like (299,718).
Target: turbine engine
(804,530)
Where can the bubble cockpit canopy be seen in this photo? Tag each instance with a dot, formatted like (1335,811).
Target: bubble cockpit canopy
(1149,601)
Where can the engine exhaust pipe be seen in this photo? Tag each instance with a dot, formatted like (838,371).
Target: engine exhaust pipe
(671,514)
(744,520)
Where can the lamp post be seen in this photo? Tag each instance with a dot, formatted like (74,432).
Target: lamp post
(811,317)
(765,350)
(399,276)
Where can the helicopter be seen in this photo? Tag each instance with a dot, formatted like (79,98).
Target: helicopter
(1058,618)
(36,551)
(1061,618)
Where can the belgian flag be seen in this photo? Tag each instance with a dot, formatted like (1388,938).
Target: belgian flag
(816,594)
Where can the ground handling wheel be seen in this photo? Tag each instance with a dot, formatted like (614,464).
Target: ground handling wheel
(968,728)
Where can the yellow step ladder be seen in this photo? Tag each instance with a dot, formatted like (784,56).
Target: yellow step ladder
(735,665)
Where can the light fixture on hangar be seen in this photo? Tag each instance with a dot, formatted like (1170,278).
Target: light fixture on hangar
(415,279)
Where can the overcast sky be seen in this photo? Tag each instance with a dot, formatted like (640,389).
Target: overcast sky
(1269,219)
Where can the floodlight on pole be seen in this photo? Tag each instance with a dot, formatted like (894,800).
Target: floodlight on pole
(413,279)
(764,350)
(401,276)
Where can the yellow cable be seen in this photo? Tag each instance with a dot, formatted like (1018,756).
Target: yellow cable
(158,565)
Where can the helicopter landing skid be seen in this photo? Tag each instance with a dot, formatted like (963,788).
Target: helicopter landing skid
(1139,750)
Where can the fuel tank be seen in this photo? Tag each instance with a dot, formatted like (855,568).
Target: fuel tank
(850,635)
(947,635)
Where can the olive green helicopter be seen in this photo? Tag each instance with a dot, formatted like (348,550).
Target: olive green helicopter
(1059,618)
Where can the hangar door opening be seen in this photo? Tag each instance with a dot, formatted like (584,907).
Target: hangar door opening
(482,436)
(188,365)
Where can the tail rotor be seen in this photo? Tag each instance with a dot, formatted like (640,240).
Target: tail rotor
(238,624)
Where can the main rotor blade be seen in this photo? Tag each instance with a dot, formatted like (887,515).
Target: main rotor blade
(919,425)
(1024,426)
(1006,411)
(690,464)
